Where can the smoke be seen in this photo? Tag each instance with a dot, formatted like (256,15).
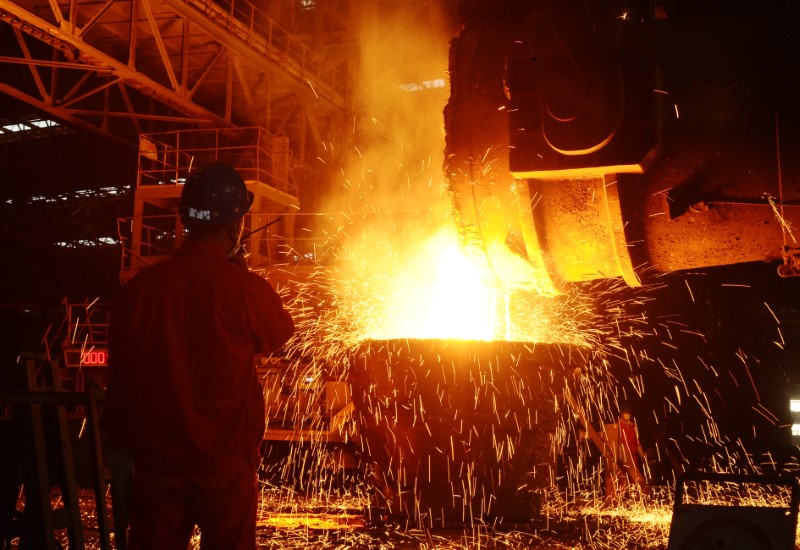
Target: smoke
(393,198)
(392,179)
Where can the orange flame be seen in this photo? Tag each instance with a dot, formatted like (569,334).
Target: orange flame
(439,293)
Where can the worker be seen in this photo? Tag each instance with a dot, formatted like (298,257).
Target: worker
(624,456)
(184,399)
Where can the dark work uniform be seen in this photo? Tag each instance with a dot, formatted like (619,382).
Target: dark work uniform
(184,398)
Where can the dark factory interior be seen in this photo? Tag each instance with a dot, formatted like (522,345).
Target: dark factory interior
(498,225)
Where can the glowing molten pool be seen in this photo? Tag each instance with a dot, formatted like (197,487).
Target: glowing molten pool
(441,295)
(432,289)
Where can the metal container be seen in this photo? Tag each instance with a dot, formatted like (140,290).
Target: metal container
(460,431)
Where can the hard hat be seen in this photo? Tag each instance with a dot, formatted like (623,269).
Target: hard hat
(215,194)
(625,407)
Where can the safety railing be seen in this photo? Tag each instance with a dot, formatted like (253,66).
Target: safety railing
(253,26)
(157,238)
(166,159)
(86,341)
(318,245)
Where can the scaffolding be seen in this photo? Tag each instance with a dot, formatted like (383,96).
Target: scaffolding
(166,160)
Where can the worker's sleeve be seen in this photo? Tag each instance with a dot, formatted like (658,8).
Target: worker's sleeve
(273,323)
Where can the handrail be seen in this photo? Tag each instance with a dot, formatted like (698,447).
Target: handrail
(166,158)
(157,237)
(253,26)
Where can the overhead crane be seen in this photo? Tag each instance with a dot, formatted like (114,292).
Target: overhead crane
(130,67)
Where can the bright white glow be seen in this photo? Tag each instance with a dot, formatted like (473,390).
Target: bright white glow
(80,193)
(44,123)
(796,430)
(425,85)
(441,294)
(794,405)
(27,126)
(87,243)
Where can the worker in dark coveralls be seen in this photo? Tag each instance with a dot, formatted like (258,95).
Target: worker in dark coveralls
(184,399)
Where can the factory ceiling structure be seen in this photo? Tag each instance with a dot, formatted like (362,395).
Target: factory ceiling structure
(127,68)
(83,81)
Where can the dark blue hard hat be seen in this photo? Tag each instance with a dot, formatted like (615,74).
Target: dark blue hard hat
(215,194)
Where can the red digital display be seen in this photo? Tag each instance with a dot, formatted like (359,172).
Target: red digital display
(94,358)
(86,358)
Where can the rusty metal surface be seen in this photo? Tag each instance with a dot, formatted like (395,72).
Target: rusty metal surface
(599,144)
(459,431)
(492,220)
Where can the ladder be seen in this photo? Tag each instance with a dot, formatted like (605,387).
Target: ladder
(43,443)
